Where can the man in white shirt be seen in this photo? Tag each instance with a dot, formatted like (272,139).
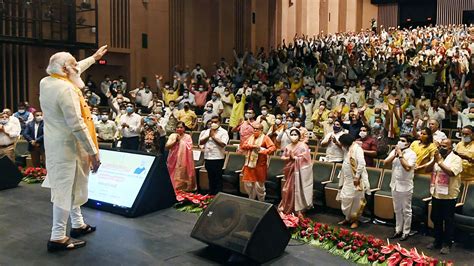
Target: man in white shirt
(217,106)
(266,119)
(106,129)
(130,128)
(208,113)
(144,97)
(403,161)
(220,89)
(436,112)
(9,132)
(438,135)
(334,151)
(214,140)
(105,85)
(185,98)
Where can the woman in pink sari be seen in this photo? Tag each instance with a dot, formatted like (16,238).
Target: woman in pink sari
(297,193)
(180,160)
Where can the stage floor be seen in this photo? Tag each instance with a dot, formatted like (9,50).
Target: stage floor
(160,238)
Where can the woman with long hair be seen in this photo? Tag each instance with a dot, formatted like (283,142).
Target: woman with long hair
(180,161)
(297,193)
(424,149)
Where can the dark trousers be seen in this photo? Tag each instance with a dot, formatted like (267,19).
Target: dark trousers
(442,215)
(132,143)
(214,174)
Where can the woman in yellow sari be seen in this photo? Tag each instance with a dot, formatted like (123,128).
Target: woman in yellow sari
(424,149)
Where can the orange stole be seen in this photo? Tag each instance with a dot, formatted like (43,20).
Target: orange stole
(85,111)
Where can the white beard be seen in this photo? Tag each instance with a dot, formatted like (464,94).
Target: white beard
(75,77)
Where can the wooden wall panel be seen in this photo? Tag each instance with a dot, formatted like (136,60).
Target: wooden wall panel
(450,11)
(14,82)
(388,15)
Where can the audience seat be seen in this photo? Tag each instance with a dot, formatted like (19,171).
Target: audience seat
(464,220)
(384,166)
(375,180)
(322,149)
(383,201)
(331,188)
(198,164)
(234,141)
(322,174)
(313,142)
(318,155)
(231,148)
(274,176)
(195,137)
(421,197)
(232,169)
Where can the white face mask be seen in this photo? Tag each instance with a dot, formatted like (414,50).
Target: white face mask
(407,121)
(467,139)
(3,121)
(39,118)
(297,124)
(123,111)
(402,145)
(294,139)
(278,121)
(248,116)
(209,109)
(264,112)
(214,126)
(363,134)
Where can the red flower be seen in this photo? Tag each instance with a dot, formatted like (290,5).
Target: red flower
(406,262)
(388,249)
(340,245)
(394,259)
(381,259)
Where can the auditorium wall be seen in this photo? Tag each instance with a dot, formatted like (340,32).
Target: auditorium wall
(186,32)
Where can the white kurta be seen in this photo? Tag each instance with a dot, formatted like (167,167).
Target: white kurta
(67,141)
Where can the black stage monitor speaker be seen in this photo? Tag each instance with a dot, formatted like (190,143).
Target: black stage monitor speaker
(130,183)
(10,176)
(248,227)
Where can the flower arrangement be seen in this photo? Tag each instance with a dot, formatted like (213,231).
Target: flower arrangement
(192,202)
(33,174)
(359,248)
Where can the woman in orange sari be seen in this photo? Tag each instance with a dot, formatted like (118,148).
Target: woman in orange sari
(297,193)
(180,160)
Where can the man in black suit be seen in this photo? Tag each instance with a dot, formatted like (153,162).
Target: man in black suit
(34,133)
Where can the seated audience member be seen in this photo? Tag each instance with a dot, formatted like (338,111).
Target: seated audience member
(34,134)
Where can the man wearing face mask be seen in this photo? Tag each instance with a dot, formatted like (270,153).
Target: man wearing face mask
(143,98)
(70,145)
(266,119)
(304,132)
(23,115)
(245,128)
(152,135)
(334,152)
(276,129)
(106,129)
(214,140)
(445,184)
(208,113)
(188,117)
(200,96)
(168,92)
(403,161)
(257,147)
(369,109)
(34,134)
(185,98)
(436,112)
(105,85)
(219,89)
(170,119)
(217,106)
(319,116)
(368,144)
(130,129)
(465,150)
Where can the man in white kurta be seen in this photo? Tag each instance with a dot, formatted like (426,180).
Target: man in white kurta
(69,146)
(353,181)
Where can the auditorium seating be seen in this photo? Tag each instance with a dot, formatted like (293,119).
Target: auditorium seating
(195,137)
(231,148)
(274,176)
(421,198)
(464,220)
(330,190)
(322,174)
(231,172)
(383,201)
(375,180)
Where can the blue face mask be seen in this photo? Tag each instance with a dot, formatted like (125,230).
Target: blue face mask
(129,109)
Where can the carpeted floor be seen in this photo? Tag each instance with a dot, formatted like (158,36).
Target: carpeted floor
(160,238)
